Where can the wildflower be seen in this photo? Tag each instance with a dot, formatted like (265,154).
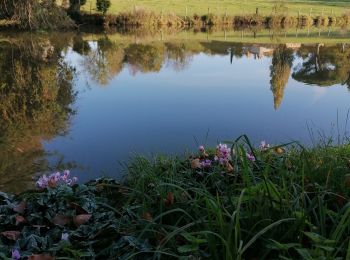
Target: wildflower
(205,163)
(15,255)
(54,179)
(65,236)
(250,157)
(264,146)
(42,182)
(201,149)
(223,154)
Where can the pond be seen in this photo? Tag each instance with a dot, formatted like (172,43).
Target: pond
(89,102)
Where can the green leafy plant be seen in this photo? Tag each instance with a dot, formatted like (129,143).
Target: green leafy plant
(103,5)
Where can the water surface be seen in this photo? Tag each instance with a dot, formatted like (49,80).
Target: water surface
(87,102)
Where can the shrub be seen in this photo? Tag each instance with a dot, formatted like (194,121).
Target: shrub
(103,5)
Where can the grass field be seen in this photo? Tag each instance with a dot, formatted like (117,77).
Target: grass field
(232,7)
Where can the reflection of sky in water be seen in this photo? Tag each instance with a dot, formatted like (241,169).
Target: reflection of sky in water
(163,112)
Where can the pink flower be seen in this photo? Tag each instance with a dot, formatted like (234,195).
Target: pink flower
(205,163)
(54,179)
(201,149)
(250,157)
(264,146)
(223,154)
(65,236)
(15,255)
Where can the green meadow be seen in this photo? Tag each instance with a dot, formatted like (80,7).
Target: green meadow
(232,7)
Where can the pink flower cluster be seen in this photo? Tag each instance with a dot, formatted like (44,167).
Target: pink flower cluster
(205,163)
(55,179)
(223,154)
(264,146)
(250,157)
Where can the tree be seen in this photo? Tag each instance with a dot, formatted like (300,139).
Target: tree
(74,6)
(103,5)
(35,14)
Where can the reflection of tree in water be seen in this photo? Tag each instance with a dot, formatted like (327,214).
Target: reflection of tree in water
(282,61)
(177,55)
(323,65)
(35,104)
(145,58)
(103,61)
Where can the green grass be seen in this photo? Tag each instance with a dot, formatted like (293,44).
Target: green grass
(232,7)
(290,203)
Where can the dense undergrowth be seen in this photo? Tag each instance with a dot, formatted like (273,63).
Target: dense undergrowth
(285,202)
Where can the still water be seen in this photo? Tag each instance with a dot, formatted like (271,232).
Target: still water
(89,102)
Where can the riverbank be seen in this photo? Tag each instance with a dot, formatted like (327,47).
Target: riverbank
(229,202)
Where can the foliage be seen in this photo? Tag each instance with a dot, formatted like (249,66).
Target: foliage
(35,14)
(103,5)
(74,6)
(283,201)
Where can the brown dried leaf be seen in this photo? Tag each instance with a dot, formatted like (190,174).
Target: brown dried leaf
(78,209)
(279,150)
(229,167)
(61,220)
(347,180)
(169,199)
(20,208)
(147,216)
(195,164)
(81,219)
(12,235)
(20,219)
(40,257)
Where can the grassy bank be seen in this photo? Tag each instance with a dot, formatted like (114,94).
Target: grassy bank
(235,7)
(284,202)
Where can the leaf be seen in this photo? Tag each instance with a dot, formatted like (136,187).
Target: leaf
(193,239)
(81,219)
(195,164)
(11,235)
(229,167)
(169,199)
(78,209)
(279,150)
(40,257)
(304,253)
(20,208)
(187,248)
(147,216)
(61,220)
(279,246)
